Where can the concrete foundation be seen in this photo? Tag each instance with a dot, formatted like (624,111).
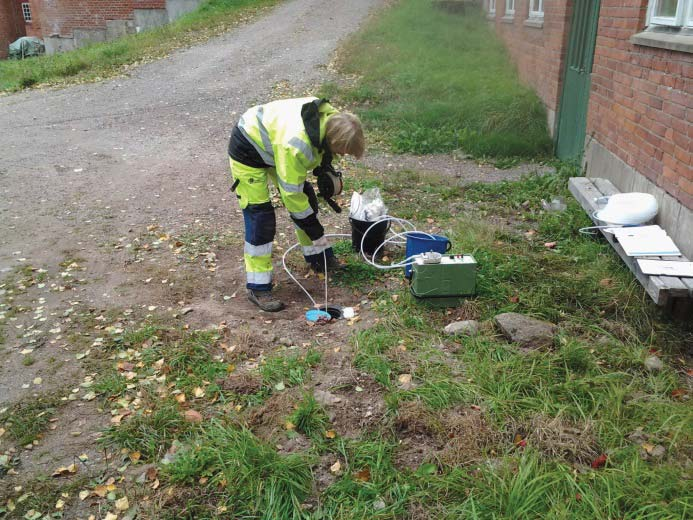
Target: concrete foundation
(119,28)
(177,8)
(146,19)
(143,19)
(58,44)
(84,37)
(673,216)
(551,121)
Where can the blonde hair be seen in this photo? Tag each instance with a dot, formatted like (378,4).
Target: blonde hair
(344,134)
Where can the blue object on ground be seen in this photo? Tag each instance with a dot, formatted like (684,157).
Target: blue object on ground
(315,315)
(419,242)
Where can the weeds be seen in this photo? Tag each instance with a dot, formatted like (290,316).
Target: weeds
(151,433)
(309,417)
(289,370)
(259,482)
(27,420)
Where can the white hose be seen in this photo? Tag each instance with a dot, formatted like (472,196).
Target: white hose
(371,261)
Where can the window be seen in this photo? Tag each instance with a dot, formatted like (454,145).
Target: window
(26,11)
(536,8)
(492,6)
(673,13)
(509,7)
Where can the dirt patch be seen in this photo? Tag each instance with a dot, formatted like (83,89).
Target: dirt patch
(360,407)
(267,420)
(555,437)
(420,433)
(241,384)
(470,437)
(323,477)
(463,169)
(457,437)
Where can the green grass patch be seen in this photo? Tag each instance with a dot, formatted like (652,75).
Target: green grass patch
(310,418)
(356,272)
(107,59)
(257,481)
(151,432)
(289,370)
(371,486)
(431,81)
(26,420)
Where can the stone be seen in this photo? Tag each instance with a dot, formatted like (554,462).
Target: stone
(528,332)
(657,452)
(462,328)
(285,341)
(379,504)
(654,364)
(326,398)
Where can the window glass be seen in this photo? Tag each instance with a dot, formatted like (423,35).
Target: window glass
(26,11)
(666,8)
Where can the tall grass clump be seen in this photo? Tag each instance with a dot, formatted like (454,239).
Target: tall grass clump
(431,81)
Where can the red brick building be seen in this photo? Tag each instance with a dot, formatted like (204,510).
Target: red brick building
(68,24)
(616,77)
(12,25)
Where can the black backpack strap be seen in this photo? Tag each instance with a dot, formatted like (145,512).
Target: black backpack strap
(310,113)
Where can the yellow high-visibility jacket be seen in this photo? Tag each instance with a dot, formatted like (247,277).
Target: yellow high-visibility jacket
(289,135)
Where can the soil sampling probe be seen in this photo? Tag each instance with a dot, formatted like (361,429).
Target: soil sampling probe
(437,277)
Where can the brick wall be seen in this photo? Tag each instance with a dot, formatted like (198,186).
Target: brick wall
(63,16)
(149,4)
(641,104)
(34,28)
(537,48)
(11,24)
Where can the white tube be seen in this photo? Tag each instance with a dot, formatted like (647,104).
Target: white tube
(371,261)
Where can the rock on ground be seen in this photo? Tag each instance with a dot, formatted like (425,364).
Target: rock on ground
(526,331)
(654,364)
(462,328)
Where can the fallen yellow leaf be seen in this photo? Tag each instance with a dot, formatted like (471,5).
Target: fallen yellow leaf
(122,504)
(330,434)
(180,398)
(65,470)
(135,456)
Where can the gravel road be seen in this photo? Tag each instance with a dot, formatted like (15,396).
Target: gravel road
(88,162)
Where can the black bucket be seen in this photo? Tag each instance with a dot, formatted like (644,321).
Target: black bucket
(374,238)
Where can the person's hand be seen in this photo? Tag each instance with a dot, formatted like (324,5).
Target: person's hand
(321,242)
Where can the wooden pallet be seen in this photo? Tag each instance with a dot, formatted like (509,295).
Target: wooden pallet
(669,291)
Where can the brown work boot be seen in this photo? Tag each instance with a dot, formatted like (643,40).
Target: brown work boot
(265,300)
(333,265)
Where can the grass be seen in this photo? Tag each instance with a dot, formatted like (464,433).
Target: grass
(431,81)
(107,59)
(26,420)
(309,417)
(290,370)
(259,483)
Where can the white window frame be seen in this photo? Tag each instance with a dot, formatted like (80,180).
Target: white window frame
(683,17)
(26,11)
(491,6)
(509,8)
(538,11)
